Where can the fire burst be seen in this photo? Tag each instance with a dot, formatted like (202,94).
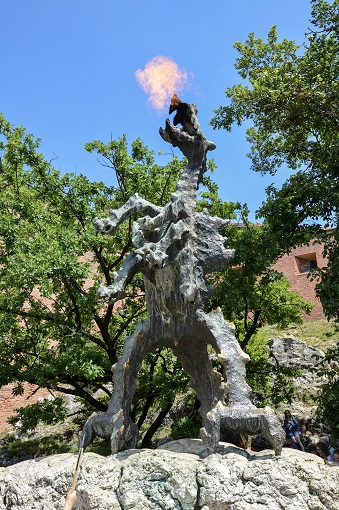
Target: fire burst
(160,79)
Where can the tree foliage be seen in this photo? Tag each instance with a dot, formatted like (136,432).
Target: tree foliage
(251,294)
(328,408)
(291,98)
(54,333)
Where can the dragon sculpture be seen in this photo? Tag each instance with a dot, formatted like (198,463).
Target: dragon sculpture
(175,247)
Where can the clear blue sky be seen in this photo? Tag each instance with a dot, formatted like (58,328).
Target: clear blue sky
(67,74)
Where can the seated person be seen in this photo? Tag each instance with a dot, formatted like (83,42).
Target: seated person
(291,428)
(289,443)
(326,439)
(323,451)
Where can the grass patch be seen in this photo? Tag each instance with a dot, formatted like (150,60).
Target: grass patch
(100,447)
(18,448)
(321,334)
(49,440)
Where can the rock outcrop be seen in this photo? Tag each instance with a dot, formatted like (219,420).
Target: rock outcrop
(294,353)
(177,476)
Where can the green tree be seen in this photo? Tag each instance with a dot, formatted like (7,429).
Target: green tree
(328,408)
(290,97)
(54,333)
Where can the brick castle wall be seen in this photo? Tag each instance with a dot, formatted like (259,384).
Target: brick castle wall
(296,267)
(8,402)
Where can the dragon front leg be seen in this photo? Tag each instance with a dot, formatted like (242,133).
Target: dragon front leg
(135,204)
(116,291)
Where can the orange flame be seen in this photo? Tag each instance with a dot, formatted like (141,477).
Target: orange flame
(160,79)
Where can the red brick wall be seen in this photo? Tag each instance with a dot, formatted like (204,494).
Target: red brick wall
(8,402)
(295,267)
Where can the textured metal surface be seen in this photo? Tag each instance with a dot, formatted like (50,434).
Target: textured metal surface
(175,247)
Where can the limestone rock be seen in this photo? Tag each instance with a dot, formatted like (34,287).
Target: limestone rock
(294,353)
(177,476)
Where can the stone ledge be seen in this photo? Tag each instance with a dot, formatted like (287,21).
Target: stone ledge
(175,477)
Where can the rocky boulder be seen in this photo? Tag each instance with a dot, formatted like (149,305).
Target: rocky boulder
(177,476)
(294,353)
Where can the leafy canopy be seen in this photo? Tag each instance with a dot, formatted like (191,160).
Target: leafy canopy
(251,295)
(54,333)
(290,97)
